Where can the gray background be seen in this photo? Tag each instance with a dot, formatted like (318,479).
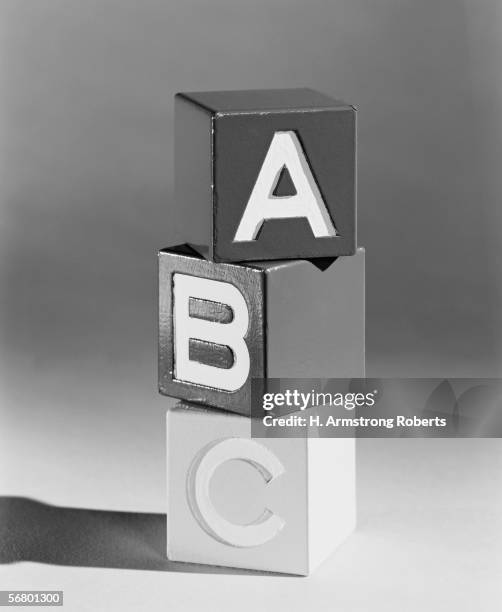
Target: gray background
(86,199)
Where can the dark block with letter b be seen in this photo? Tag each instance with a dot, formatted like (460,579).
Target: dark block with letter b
(266,174)
(221,324)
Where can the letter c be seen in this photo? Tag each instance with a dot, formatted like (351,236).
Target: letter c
(202,469)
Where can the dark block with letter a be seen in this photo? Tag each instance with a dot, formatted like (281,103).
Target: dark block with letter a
(266,174)
(220,324)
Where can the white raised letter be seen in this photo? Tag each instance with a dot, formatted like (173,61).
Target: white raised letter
(227,334)
(207,461)
(285,151)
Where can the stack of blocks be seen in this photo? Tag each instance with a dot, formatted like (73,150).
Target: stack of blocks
(268,284)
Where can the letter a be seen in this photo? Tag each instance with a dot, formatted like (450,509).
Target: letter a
(285,151)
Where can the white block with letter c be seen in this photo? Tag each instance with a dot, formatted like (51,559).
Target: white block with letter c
(279,505)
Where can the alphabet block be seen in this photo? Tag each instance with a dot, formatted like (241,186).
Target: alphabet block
(220,324)
(266,174)
(280,505)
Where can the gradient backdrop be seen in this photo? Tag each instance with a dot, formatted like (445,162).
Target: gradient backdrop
(86,200)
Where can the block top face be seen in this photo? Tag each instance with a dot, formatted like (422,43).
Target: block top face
(264,100)
(267,174)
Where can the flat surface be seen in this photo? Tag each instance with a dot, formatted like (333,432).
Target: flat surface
(429,538)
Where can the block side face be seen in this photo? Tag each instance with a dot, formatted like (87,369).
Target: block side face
(249,283)
(331,495)
(238,492)
(193,173)
(259,100)
(325,141)
(169,499)
(316,319)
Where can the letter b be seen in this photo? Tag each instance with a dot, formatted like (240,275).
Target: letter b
(229,334)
